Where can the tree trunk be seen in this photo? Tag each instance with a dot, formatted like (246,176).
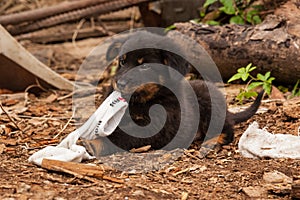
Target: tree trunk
(272,46)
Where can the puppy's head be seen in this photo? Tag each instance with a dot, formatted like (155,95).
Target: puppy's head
(144,62)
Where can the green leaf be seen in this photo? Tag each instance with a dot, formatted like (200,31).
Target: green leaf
(237,20)
(241,96)
(248,67)
(250,14)
(296,90)
(234,77)
(114,69)
(208,3)
(212,22)
(256,20)
(267,75)
(268,88)
(195,21)
(245,76)
(241,70)
(270,80)
(283,89)
(252,68)
(260,77)
(228,7)
(250,94)
(169,28)
(254,85)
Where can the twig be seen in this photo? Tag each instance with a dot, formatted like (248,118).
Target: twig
(79,26)
(132,20)
(10,119)
(43,118)
(66,96)
(38,85)
(6,5)
(141,149)
(64,128)
(181,172)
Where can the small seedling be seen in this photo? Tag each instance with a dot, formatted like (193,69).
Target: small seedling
(296,90)
(169,28)
(260,80)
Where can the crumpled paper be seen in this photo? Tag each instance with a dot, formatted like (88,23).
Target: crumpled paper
(259,143)
(101,124)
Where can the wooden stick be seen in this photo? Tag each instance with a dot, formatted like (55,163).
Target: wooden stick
(10,119)
(83,171)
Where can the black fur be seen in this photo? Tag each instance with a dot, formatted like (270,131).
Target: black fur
(145,96)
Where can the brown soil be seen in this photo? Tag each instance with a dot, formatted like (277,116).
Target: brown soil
(42,119)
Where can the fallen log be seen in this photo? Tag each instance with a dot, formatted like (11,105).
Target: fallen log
(33,15)
(95,10)
(67,31)
(269,46)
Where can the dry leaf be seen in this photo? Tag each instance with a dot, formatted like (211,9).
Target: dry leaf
(2,148)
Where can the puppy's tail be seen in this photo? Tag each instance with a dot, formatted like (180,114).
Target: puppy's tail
(249,112)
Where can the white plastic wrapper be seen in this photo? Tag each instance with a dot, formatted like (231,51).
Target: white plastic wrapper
(258,143)
(102,123)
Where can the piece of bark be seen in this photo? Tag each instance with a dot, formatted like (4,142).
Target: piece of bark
(290,12)
(277,182)
(83,171)
(291,108)
(276,94)
(276,177)
(255,192)
(295,194)
(2,148)
(268,46)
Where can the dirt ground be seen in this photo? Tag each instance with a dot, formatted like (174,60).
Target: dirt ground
(43,119)
(46,118)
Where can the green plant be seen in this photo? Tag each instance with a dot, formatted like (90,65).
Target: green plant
(253,82)
(296,90)
(169,28)
(238,12)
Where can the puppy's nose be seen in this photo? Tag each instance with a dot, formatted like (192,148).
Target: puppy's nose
(121,84)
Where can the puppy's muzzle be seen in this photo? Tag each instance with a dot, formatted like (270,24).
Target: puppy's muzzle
(121,85)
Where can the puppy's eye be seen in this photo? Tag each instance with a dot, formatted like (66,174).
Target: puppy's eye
(122,59)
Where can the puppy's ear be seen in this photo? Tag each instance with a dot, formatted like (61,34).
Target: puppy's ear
(113,50)
(176,62)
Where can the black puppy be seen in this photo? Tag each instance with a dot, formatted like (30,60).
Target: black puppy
(146,86)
